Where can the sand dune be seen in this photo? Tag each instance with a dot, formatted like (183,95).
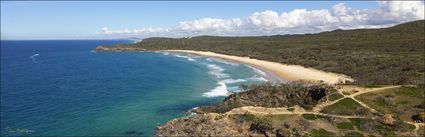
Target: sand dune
(286,72)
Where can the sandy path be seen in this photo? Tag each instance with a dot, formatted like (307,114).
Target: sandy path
(281,111)
(360,90)
(286,72)
(316,110)
(367,91)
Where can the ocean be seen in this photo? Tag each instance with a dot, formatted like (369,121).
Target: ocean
(64,87)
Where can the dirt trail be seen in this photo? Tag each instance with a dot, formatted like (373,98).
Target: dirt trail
(368,91)
(316,110)
(281,110)
(360,90)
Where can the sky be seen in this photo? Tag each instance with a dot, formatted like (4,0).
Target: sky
(141,19)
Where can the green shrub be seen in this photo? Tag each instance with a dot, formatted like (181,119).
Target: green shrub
(309,116)
(247,117)
(353,134)
(291,109)
(345,125)
(321,133)
(335,96)
(261,125)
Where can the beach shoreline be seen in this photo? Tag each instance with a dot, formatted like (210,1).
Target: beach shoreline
(282,71)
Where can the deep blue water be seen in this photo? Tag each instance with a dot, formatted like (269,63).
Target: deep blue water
(63,87)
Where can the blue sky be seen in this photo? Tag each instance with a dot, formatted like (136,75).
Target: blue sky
(85,20)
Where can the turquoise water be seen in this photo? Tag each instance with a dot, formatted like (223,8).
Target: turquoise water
(64,88)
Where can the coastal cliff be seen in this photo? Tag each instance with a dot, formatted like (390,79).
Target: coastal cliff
(260,111)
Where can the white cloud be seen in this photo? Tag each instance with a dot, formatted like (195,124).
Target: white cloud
(296,21)
(210,24)
(397,11)
(143,31)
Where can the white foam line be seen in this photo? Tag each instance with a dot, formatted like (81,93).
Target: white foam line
(222,61)
(220,90)
(216,71)
(262,73)
(258,79)
(231,81)
(182,56)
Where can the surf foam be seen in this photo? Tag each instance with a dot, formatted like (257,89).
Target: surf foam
(258,71)
(221,61)
(258,79)
(231,81)
(220,90)
(186,57)
(216,71)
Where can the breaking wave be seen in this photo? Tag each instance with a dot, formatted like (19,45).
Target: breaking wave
(221,61)
(216,71)
(258,79)
(220,90)
(231,81)
(262,73)
(33,58)
(182,56)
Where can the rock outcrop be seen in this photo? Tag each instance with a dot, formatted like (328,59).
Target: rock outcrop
(118,48)
(284,95)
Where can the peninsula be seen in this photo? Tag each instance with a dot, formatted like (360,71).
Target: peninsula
(363,82)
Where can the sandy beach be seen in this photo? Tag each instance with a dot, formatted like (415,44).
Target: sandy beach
(283,71)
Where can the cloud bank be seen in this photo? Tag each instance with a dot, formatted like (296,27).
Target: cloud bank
(269,22)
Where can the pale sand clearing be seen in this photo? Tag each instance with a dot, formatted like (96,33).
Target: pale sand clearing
(286,72)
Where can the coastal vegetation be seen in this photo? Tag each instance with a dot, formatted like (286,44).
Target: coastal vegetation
(346,106)
(377,59)
(391,56)
(403,102)
(337,117)
(268,95)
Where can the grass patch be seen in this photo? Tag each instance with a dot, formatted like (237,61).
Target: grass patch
(384,130)
(356,122)
(335,96)
(279,117)
(321,133)
(399,101)
(247,117)
(346,93)
(310,116)
(291,109)
(345,125)
(354,134)
(346,106)
(411,127)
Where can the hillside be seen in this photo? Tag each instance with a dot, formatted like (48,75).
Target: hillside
(393,55)
(296,109)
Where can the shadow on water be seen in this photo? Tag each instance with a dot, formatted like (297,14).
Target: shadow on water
(174,109)
(133,133)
